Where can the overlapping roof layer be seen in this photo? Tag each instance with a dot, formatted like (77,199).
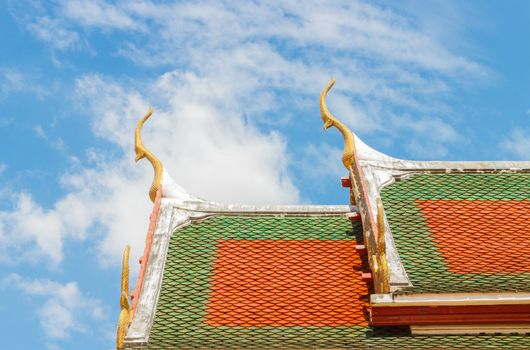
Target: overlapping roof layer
(462,232)
(278,282)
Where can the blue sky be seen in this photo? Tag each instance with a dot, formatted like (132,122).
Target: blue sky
(235,89)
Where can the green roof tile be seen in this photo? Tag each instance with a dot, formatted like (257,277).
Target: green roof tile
(181,315)
(431,260)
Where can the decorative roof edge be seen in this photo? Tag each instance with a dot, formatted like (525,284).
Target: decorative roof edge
(144,259)
(206,207)
(370,156)
(139,329)
(374,157)
(471,312)
(434,299)
(372,215)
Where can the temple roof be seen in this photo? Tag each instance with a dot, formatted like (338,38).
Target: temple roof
(424,253)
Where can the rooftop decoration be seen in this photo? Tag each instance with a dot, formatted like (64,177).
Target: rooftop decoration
(329,121)
(374,233)
(142,152)
(125,303)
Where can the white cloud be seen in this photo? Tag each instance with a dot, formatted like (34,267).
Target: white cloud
(375,52)
(240,66)
(323,161)
(205,145)
(427,150)
(115,196)
(437,131)
(381,59)
(57,143)
(208,148)
(200,137)
(98,14)
(29,233)
(518,143)
(62,308)
(16,81)
(108,203)
(342,25)
(52,346)
(52,31)
(320,163)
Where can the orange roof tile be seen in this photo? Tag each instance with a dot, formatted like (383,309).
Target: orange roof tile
(286,283)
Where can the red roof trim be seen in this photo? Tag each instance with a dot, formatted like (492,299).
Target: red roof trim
(449,314)
(149,239)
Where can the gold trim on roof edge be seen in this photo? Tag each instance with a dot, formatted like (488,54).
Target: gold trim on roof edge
(376,247)
(329,121)
(125,301)
(381,248)
(142,152)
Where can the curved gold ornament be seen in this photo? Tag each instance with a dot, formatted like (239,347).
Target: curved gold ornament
(142,152)
(125,303)
(329,121)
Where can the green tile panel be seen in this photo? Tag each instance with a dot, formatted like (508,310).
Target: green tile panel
(424,264)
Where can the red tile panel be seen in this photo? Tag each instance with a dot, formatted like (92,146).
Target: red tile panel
(480,236)
(286,283)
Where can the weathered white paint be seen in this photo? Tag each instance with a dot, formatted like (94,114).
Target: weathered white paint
(138,333)
(172,190)
(238,209)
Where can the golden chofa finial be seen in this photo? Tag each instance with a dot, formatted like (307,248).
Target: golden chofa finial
(329,121)
(142,152)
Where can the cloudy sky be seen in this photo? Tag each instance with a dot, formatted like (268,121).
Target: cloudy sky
(235,89)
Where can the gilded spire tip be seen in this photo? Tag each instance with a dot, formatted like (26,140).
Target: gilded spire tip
(329,121)
(142,152)
(327,118)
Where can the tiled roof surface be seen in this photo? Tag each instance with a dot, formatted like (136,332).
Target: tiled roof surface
(259,282)
(462,232)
